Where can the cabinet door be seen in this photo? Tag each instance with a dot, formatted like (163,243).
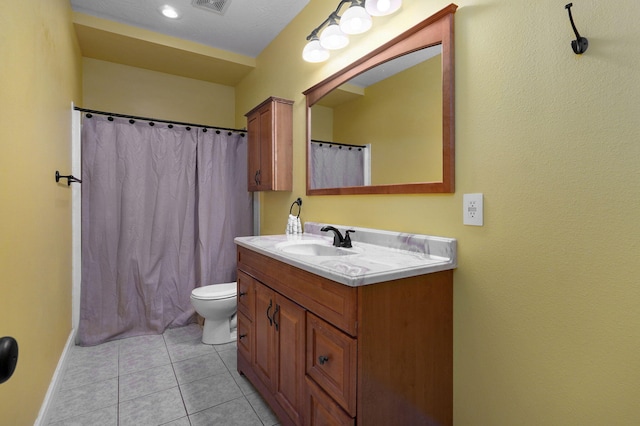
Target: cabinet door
(245,336)
(331,361)
(264,343)
(246,295)
(253,160)
(321,410)
(260,148)
(289,325)
(266,146)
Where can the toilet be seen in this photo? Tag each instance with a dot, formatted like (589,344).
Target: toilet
(217,304)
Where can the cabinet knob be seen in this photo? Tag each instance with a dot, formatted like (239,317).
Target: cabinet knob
(322,359)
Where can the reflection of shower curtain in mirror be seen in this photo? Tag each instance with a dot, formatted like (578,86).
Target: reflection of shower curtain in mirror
(160,209)
(333,166)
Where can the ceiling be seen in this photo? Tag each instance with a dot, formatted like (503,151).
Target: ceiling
(214,47)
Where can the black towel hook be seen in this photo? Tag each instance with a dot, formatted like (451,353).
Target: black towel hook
(299,203)
(580,44)
(69,178)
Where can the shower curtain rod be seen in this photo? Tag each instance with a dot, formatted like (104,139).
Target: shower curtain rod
(179,123)
(336,143)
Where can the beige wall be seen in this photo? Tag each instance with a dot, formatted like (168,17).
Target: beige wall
(39,78)
(547,325)
(122,89)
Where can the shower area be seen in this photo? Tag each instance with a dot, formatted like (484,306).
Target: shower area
(337,165)
(160,205)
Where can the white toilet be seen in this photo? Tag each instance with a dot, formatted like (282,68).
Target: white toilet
(217,304)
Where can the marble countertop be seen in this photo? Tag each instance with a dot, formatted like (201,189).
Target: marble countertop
(379,255)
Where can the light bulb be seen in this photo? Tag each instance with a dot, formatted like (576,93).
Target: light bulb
(333,38)
(169,12)
(355,20)
(313,52)
(382,7)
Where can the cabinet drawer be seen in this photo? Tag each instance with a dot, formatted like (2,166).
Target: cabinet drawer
(245,338)
(331,361)
(337,303)
(322,410)
(246,295)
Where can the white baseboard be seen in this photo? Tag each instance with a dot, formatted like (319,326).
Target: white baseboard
(43,415)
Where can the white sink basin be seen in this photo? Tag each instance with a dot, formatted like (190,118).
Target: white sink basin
(314,248)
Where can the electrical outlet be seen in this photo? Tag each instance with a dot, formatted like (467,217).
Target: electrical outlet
(472,209)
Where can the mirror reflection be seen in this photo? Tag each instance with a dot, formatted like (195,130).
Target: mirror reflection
(392,112)
(382,127)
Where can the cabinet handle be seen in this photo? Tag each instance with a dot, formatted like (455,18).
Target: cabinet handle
(322,359)
(242,336)
(274,316)
(268,309)
(259,173)
(256,177)
(242,293)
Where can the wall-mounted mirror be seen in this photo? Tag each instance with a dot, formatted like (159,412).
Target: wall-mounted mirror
(385,124)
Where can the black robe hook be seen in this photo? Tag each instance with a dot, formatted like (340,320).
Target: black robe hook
(580,44)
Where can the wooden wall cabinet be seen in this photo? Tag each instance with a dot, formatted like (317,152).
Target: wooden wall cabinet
(270,149)
(323,353)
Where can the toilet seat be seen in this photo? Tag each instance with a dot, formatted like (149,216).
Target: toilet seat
(215,291)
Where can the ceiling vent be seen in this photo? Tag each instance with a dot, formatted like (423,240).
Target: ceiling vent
(217,6)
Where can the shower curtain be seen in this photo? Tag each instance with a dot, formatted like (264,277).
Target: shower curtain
(333,166)
(160,209)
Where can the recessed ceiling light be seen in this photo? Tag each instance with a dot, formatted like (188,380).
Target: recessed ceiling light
(169,12)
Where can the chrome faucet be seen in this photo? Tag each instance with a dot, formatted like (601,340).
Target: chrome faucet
(338,240)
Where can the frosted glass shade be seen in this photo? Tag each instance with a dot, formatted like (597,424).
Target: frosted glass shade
(333,38)
(355,20)
(382,7)
(169,12)
(313,52)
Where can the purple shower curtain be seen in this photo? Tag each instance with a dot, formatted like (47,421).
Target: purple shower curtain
(333,167)
(160,209)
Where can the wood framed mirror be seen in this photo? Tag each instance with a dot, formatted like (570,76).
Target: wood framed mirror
(406,143)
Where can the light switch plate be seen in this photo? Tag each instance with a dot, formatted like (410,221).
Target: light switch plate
(472,211)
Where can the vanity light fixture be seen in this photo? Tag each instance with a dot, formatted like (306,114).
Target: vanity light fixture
(382,7)
(356,19)
(169,12)
(332,37)
(314,52)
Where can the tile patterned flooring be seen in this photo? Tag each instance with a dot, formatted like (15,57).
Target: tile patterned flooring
(171,379)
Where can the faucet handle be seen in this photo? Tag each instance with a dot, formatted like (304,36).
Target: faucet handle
(347,239)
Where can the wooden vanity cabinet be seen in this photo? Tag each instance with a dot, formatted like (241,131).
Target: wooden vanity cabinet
(270,146)
(378,354)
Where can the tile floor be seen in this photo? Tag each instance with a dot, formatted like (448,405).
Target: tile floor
(171,379)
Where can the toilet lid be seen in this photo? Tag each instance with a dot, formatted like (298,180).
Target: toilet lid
(215,291)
